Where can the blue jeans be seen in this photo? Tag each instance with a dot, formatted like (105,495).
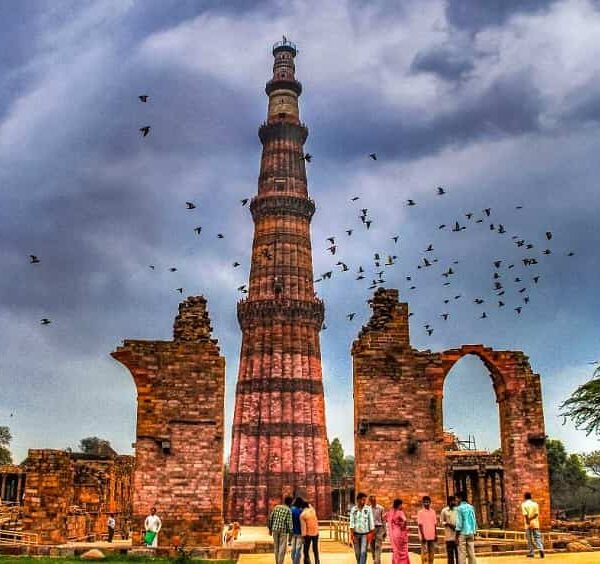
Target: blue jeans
(360,547)
(534,540)
(297,542)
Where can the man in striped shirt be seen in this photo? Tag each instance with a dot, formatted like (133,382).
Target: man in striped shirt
(280,527)
(361,526)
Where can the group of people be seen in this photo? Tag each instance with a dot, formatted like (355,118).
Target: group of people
(294,522)
(370,524)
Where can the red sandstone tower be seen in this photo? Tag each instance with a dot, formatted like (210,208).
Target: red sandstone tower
(279,442)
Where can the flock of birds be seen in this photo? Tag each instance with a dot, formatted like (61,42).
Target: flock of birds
(511,280)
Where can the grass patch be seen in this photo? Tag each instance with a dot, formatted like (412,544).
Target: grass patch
(109,558)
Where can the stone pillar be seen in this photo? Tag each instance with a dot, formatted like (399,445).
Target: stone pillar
(20,488)
(482,494)
(179,436)
(3,488)
(279,440)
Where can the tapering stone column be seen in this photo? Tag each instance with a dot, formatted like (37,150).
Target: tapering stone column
(279,442)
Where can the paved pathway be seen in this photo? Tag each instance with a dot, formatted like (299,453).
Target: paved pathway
(578,558)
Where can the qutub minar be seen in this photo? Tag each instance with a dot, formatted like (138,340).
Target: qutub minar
(279,441)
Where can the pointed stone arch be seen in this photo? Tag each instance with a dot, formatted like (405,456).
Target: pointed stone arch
(399,435)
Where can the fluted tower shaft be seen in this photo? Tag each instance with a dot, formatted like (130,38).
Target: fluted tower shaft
(279,441)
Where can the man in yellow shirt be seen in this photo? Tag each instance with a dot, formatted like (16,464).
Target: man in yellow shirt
(531,512)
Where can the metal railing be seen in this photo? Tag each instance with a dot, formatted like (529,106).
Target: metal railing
(18,538)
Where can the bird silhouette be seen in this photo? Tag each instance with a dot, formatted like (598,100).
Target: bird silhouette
(33,259)
(373,156)
(349,232)
(355,198)
(487,211)
(244,201)
(236,264)
(478,300)
(483,315)
(429,248)
(197,230)
(548,235)
(395,238)
(143,98)
(410,203)
(497,263)
(145,131)
(180,290)
(45,321)
(441,226)
(307,157)
(220,236)
(190,205)
(429,332)
(518,310)
(350,316)
(172,269)
(368,223)
(445,316)
(331,240)
(440,191)
(151,267)
(332,249)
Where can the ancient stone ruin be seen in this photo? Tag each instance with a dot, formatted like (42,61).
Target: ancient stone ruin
(399,441)
(179,437)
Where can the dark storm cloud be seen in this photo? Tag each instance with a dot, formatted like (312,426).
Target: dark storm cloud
(473,15)
(511,105)
(446,61)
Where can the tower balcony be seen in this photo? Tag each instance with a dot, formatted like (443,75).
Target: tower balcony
(285,45)
(259,312)
(282,84)
(261,206)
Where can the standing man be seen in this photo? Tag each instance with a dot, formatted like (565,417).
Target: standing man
(361,525)
(531,512)
(111,524)
(466,529)
(280,526)
(379,536)
(297,540)
(427,522)
(448,521)
(152,526)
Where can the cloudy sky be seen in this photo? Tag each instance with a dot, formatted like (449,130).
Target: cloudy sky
(499,105)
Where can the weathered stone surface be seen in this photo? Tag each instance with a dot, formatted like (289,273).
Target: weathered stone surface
(93,554)
(179,436)
(399,438)
(279,440)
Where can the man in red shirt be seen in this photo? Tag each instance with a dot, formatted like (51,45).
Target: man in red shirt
(427,522)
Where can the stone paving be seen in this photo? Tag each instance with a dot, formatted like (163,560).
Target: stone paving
(347,558)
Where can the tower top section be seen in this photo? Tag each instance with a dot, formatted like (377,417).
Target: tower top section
(284,78)
(285,45)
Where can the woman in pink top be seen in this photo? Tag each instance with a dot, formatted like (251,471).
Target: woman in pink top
(398,533)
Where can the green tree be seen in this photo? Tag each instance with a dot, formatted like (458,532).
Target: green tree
(583,407)
(591,461)
(566,470)
(349,461)
(337,465)
(96,446)
(5,438)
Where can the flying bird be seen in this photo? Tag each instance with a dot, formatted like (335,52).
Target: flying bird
(151,267)
(487,211)
(440,191)
(395,238)
(483,315)
(548,235)
(429,248)
(332,249)
(355,198)
(172,269)
(497,263)
(350,316)
(180,290)
(244,201)
(518,310)
(331,240)
(349,232)
(145,130)
(197,230)
(45,321)
(429,332)
(445,316)
(33,259)
(144,98)
(236,264)
(373,156)
(307,157)
(441,226)
(410,203)
(190,205)
(220,236)
(368,223)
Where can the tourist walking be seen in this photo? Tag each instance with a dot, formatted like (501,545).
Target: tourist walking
(111,524)
(531,512)
(297,540)
(310,532)
(361,526)
(466,529)
(448,521)
(398,532)
(280,527)
(152,526)
(377,542)
(427,523)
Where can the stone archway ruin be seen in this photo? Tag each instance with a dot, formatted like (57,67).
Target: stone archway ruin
(399,435)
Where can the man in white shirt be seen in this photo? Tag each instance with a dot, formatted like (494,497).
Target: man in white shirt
(361,527)
(531,512)
(111,524)
(153,524)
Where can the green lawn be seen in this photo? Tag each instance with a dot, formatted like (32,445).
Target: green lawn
(109,558)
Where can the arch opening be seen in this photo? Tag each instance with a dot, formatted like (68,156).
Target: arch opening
(472,437)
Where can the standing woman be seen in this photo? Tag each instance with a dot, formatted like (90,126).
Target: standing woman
(398,533)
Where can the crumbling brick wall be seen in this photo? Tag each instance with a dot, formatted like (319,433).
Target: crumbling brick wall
(399,437)
(179,437)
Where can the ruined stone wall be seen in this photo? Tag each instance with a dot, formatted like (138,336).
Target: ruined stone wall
(48,494)
(179,437)
(399,437)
